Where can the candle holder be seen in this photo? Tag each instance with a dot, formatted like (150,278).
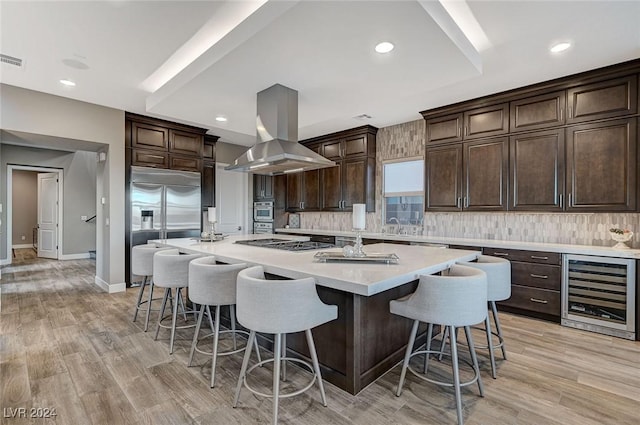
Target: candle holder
(357,248)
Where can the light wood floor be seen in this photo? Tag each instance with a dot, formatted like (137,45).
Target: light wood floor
(66,345)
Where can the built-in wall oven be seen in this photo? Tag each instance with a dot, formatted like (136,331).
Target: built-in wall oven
(262,227)
(599,293)
(263,211)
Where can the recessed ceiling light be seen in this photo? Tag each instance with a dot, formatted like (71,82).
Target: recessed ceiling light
(560,47)
(67,82)
(384,47)
(74,63)
(220,118)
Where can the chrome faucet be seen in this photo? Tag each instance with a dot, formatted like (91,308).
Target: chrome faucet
(398,222)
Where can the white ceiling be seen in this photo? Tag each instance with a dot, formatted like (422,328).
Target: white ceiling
(322,49)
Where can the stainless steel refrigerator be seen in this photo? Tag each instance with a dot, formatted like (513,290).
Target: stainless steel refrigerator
(164,204)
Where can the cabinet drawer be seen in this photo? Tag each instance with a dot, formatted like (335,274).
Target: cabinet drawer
(149,158)
(543,276)
(534,299)
(525,256)
(185,163)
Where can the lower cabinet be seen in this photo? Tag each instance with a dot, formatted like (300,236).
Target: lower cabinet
(535,281)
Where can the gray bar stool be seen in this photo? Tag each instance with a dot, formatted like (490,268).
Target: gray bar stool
(498,272)
(212,284)
(142,265)
(171,271)
(458,299)
(279,307)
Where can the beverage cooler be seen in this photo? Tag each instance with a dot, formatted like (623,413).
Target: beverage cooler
(599,294)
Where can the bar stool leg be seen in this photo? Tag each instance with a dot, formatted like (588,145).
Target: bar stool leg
(496,319)
(195,335)
(146,320)
(277,350)
(214,354)
(180,300)
(316,365)
(174,318)
(232,314)
(427,347)
(456,373)
(407,356)
(243,369)
(474,358)
(284,354)
(443,344)
(140,292)
(492,357)
(213,328)
(255,344)
(167,291)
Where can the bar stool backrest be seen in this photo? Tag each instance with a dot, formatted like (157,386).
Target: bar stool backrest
(279,306)
(211,283)
(142,258)
(498,272)
(171,268)
(456,299)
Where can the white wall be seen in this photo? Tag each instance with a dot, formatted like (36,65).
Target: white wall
(47,116)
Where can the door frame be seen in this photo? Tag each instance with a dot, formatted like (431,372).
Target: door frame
(9,239)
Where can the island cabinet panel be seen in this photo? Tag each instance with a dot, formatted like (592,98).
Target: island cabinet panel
(538,112)
(486,176)
(487,121)
(602,166)
(148,136)
(444,129)
(535,282)
(605,99)
(443,169)
(537,171)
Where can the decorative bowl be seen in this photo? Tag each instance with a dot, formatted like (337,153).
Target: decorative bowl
(621,238)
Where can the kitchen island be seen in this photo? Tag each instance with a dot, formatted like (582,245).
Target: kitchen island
(366,340)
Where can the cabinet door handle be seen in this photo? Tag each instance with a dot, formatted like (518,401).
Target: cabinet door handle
(303,205)
(560,114)
(560,199)
(569,205)
(500,254)
(466,130)
(458,201)
(539,276)
(539,257)
(570,112)
(458,133)
(536,300)
(466,202)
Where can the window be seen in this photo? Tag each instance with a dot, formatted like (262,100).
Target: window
(403,191)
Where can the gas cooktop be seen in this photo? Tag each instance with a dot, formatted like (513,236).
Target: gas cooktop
(286,245)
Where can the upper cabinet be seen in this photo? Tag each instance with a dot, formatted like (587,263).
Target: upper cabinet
(262,187)
(148,136)
(538,112)
(564,145)
(350,181)
(604,99)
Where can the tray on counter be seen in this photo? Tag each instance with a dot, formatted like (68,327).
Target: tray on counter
(326,256)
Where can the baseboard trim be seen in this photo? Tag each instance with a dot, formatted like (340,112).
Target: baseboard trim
(111,289)
(22,246)
(82,256)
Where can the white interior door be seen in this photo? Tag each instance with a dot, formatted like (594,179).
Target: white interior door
(48,215)
(231,201)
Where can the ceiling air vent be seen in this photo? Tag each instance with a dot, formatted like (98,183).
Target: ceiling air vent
(362,117)
(10,60)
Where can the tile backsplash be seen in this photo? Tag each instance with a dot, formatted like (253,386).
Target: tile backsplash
(407,140)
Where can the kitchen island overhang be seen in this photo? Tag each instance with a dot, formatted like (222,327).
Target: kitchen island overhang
(366,340)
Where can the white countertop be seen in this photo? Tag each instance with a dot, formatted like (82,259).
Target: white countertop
(489,243)
(358,278)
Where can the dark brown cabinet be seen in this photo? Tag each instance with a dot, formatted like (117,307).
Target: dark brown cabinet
(303,191)
(208,187)
(605,99)
(472,176)
(149,158)
(444,129)
(352,180)
(149,136)
(602,166)
(538,112)
(486,122)
(535,281)
(262,188)
(537,171)
(185,143)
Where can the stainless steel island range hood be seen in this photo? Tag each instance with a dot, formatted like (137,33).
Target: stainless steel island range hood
(278,150)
